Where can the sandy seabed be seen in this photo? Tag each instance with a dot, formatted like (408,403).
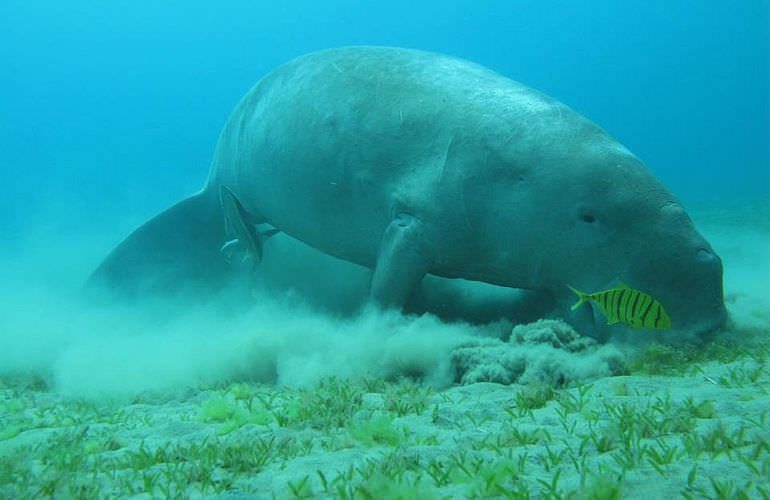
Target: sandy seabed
(699,435)
(532,416)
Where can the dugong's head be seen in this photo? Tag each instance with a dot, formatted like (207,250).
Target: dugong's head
(617,222)
(586,212)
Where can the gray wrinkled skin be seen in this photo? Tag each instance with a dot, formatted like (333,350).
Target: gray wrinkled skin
(415,163)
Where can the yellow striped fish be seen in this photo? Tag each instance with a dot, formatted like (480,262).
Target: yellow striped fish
(623,304)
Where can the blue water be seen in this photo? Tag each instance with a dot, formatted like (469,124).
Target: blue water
(110,110)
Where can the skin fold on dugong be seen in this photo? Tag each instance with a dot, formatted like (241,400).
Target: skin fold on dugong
(414,163)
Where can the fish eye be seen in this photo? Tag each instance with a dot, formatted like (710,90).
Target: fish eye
(587,218)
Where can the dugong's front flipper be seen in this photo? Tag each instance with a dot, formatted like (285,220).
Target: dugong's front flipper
(404,257)
(236,253)
(232,249)
(240,226)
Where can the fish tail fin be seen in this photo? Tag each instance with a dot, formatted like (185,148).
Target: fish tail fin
(582,297)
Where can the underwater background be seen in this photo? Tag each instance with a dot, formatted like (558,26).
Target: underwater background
(115,107)
(109,113)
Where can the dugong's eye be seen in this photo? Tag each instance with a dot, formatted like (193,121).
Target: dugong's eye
(586,214)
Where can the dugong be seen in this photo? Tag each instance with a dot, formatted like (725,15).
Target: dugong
(415,163)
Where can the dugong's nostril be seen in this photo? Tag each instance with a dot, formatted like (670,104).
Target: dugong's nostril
(704,255)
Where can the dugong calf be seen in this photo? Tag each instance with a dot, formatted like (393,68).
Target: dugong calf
(415,163)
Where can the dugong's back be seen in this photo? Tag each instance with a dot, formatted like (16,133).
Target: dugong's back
(332,145)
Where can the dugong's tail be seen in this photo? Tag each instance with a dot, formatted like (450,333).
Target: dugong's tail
(174,253)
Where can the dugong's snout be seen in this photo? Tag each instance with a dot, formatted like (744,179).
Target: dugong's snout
(691,290)
(685,274)
(675,264)
(707,313)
